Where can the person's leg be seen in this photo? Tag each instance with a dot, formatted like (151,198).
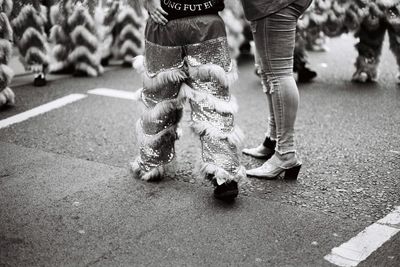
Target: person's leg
(300,60)
(275,41)
(162,78)
(211,72)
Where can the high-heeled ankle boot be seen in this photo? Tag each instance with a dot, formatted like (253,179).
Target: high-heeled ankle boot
(276,165)
(263,151)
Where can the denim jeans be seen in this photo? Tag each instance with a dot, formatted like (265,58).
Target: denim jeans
(274,37)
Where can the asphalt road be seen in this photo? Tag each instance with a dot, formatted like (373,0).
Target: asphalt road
(67,198)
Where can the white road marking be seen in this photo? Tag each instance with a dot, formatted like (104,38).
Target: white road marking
(41,109)
(366,242)
(115,93)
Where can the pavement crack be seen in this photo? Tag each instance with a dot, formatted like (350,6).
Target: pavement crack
(103,256)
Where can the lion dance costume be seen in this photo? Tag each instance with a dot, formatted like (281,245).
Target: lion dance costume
(76,40)
(382,16)
(29,21)
(188,59)
(369,19)
(6,36)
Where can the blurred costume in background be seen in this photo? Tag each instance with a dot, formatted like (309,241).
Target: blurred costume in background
(382,16)
(234,24)
(300,58)
(312,22)
(29,19)
(189,59)
(6,37)
(75,37)
(121,30)
(128,31)
(103,20)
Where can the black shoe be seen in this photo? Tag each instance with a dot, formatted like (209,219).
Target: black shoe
(80,73)
(40,80)
(127,64)
(105,61)
(66,70)
(305,75)
(227,191)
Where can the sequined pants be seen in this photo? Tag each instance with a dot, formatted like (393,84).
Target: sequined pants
(188,59)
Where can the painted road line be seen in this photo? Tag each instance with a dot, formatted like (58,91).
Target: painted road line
(115,93)
(366,242)
(41,109)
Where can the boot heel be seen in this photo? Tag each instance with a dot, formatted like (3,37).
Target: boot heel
(292,173)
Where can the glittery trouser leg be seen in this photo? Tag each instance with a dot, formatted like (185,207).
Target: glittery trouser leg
(198,70)
(157,126)
(213,120)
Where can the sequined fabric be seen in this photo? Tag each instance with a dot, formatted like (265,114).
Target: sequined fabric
(213,88)
(215,51)
(169,91)
(163,99)
(221,153)
(162,58)
(202,113)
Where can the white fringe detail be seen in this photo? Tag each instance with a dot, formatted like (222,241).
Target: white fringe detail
(81,31)
(19,21)
(130,47)
(7,97)
(82,51)
(163,78)
(58,35)
(34,52)
(129,12)
(6,75)
(209,72)
(235,137)
(5,50)
(138,64)
(57,66)
(220,174)
(80,11)
(30,34)
(156,174)
(92,72)
(130,29)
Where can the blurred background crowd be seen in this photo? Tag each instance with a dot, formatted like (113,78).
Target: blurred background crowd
(80,37)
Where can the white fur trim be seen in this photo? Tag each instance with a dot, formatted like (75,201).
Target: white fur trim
(86,68)
(130,47)
(138,64)
(130,30)
(5,50)
(57,66)
(82,51)
(84,33)
(207,72)
(58,35)
(163,78)
(27,37)
(27,11)
(220,174)
(235,137)
(35,53)
(7,96)
(6,75)
(78,12)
